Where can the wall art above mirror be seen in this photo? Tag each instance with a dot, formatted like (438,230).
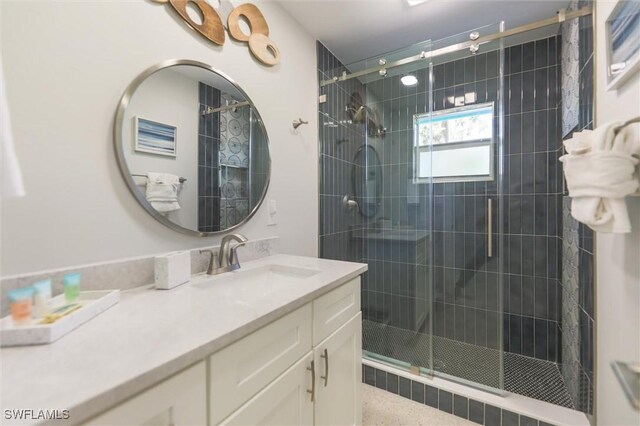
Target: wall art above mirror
(209,24)
(192,148)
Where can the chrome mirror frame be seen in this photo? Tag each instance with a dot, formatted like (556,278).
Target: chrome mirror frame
(122,163)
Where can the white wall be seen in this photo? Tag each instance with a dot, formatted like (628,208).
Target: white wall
(617,259)
(168,97)
(66,66)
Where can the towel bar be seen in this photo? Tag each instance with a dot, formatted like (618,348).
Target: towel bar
(144,176)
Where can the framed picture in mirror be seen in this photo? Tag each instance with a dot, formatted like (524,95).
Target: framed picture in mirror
(154,138)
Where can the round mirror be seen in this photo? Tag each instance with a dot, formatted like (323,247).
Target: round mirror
(192,148)
(366,177)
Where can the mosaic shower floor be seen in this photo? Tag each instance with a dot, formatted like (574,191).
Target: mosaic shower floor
(523,375)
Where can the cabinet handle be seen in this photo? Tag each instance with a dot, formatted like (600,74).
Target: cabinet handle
(313,380)
(489,227)
(325,355)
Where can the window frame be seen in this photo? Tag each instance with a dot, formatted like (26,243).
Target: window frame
(418,149)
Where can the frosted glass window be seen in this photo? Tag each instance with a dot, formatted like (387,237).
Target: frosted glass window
(462,161)
(455,144)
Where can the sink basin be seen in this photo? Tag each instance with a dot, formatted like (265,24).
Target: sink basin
(262,275)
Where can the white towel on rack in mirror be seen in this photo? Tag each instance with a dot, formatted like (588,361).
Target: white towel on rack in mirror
(600,169)
(162,191)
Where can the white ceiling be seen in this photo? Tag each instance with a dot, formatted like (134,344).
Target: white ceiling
(360,29)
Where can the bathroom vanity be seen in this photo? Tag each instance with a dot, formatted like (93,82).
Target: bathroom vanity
(277,342)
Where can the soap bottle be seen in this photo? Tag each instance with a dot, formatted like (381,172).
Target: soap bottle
(71,284)
(21,300)
(42,298)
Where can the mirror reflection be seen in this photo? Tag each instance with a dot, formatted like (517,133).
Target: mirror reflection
(195,148)
(366,179)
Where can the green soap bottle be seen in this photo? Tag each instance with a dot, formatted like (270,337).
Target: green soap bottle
(71,284)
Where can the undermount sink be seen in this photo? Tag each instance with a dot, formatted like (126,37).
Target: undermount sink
(262,275)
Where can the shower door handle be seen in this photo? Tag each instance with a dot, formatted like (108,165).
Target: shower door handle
(489,227)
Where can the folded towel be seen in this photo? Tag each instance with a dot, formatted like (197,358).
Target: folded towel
(162,191)
(628,140)
(12,185)
(600,170)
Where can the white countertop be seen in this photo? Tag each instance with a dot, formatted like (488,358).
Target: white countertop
(152,334)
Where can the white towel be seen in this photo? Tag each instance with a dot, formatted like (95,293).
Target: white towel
(628,140)
(601,169)
(12,184)
(162,191)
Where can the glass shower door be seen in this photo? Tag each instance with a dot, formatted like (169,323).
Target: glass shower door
(418,152)
(459,146)
(394,210)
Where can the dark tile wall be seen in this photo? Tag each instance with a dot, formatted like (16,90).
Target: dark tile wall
(398,287)
(208,151)
(395,289)
(533,200)
(586,286)
(339,141)
(465,279)
(466,287)
(578,248)
(458,405)
(259,162)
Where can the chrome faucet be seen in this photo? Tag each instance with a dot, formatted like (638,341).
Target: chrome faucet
(227,258)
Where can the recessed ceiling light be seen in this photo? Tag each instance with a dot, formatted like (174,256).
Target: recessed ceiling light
(415,2)
(409,80)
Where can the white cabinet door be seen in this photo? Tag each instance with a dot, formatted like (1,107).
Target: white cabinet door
(338,364)
(286,401)
(179,400)
(242,369)
(334,309)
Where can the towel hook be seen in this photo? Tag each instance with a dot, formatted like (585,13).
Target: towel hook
(299,122)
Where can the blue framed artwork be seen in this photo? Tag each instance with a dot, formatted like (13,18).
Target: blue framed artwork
(623,42)
(155,138)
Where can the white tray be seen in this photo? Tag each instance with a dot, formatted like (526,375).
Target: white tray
(93,303)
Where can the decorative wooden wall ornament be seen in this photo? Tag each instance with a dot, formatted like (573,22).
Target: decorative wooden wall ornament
(255,18)
(260,45)
(211,26)
(264,49)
